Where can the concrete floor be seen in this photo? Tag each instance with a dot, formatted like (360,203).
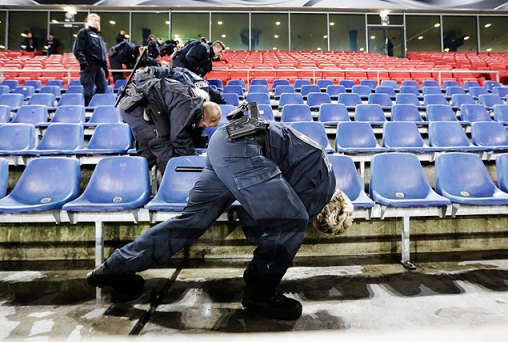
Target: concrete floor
(468,298)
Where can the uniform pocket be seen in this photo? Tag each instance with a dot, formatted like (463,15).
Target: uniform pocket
(262,170)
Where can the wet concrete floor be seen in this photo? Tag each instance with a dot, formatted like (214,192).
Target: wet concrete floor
(51,303)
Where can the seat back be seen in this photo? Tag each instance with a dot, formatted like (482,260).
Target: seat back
(450,91)
(4,89)
(48,180)
(12,84)
(4,176)
(469,84)
(477,91)
(434,99)
(102,100)
(62,136)
(281,89)
(231,98)
(489,134)
(31,114)
(430,83)
(409,90)
(383,100)
(406,112)
(119,84)
(315,131)
(309,88)
(431,90)
(474,112)
(372,84)
(16,137)
(75,89)
(460,99)
(12,100)
(69,114)
(333,112)
(225,110)
(55,83)
(361,90)
(501,91)
(490,100)
(489,85)
(369,113)
(111,136)
(288,98)
(317,99)
(259,98)
(350,99)
(257,82)
(266,112)
(385,90)
(322,84)
(5,114)
(462,174)
(71,99)
(334,90)
(240,83)
(279,82)
(299,83)
(447,134)
(26,91)
(45,99)
(502,171)
(234,89)
(355,135)
(390,83)
(401,134)
(397,176)
(348,84)
(406,99)
(501,112)
(49,89)
(296,112)
(450,83)
(258,88)
(346,176)
(439,112)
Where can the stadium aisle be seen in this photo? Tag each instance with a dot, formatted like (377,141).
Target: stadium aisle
(360,299)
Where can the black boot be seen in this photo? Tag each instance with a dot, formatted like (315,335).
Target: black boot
(125,283)
(274,305)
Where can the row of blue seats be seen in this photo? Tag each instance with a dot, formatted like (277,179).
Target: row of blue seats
(397,179)
(332,113)
(37,84)
(38,115)
(14,101)
(349,84)
(64,139)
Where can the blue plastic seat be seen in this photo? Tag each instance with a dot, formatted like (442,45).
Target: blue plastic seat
(386,90)
(348,181)
(409,83)
(240,83)
(502,172)
(501,91)
(490,100)
(75,89)
(477,91)
(404,137)
(225,110)
(72,100)
(258,88)
(57,83)
(112,186)
(4,176)
(235,89)
(469,84)
(430,83)
(16,138)
(266,112)
(501,113)
(102,100)
(372,84)
(296,112)
(362,90)
(67,114)
(299,83)
(335,90)
(474,112)
(489,85)
(390,83)
(348,84)
(104,114)
(450,136)
(398,180)
(259,98)
(450,91)
(12,100)
(434,99)
(45,184)
(440,112)
(256,82)
(279,82)
(315,131)
(74,82)
(407,112)
(408,99)
(231,98)
(409,90)
(109,138)
(431,90)
(119,84)
(26,91)
(55,90)
(450,83)
(281,89)
(5,114)
(350,100)
(356,137)
(464,179)
(4,89)
(290,98)
(12,84)
(322,84)
(461,99)
(179,178)
(315,100)
(371,113)
(491,135)
(31,114)
(45,99)
(60,138)
(309,88)
(383,100)
(331,114)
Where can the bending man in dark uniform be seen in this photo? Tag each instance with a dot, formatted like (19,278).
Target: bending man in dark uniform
(281,178)
(126,53)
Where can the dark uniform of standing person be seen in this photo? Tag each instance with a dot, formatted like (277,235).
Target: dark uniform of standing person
(282,180)
(90,51)
(120,37)
(28,44)
(126,53)
(197,56)
(52,44)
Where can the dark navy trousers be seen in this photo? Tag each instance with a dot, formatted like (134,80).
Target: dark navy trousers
(92,75)
(273,215)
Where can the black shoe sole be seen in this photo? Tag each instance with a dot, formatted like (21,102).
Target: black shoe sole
(123,283)
(269,312)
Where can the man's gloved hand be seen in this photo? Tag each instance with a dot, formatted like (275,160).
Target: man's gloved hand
(83,65)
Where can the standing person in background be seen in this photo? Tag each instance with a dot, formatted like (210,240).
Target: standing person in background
(52,44)
(120,37)
(90,50)
(197,56)
(28,43)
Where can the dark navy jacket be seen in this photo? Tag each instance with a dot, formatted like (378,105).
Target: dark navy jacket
(195,57)
(89,47)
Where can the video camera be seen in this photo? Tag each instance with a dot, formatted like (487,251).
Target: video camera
(245,126)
